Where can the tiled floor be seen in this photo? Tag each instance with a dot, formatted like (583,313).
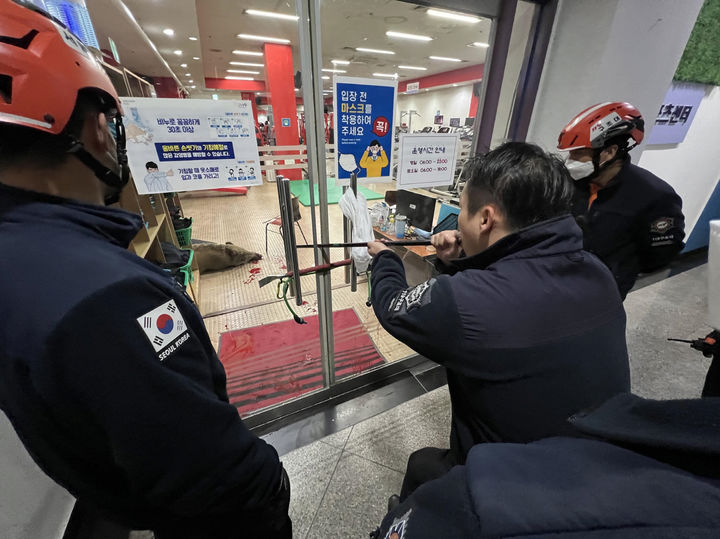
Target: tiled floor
(341,482)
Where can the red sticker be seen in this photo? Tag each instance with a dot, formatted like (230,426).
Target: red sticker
(381,126)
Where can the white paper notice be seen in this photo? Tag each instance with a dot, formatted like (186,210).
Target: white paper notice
(190,144)
(427,160)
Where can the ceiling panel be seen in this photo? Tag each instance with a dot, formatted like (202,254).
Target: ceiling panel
(346,24)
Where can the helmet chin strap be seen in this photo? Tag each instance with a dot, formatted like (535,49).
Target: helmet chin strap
(104,174)
(596,163)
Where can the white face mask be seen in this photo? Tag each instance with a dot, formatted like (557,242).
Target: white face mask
(579,169)
(348,163)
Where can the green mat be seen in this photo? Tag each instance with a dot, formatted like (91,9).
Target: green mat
(300,189)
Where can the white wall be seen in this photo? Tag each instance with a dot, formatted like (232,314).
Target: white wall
(453,102)
(609,50)
(31,504)
(693,166)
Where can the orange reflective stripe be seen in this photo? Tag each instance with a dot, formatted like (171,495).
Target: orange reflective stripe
(593,194)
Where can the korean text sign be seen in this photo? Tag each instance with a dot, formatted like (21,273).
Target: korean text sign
(676,113)
(364,127)
(427,160)
(179,145)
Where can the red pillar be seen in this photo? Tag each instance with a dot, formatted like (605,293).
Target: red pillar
(473,106)
(279,76)
(249,96)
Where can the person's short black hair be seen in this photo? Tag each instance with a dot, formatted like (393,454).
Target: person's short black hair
(374,142)
(526,183)
(151,164)
(621,141)
(23,146)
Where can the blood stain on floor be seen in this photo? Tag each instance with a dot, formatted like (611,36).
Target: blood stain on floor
(253,273)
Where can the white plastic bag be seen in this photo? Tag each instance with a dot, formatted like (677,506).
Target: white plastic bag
(355,209)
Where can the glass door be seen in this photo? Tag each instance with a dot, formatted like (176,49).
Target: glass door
(436,57)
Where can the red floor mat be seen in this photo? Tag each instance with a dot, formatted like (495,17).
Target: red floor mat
(276,362)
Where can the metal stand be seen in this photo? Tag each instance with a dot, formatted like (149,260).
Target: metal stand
(287,224)
(350,273)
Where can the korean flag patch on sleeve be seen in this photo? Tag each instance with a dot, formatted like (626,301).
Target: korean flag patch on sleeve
(163,325)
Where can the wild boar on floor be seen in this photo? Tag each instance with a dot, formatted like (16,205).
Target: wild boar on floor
(216,256)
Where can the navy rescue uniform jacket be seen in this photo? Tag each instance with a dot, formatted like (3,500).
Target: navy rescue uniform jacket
(531,331)
(646,470)
(635,225)
(109,377)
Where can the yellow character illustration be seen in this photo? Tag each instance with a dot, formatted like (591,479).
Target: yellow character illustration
(374,159)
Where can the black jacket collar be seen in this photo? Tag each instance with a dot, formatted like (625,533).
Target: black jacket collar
(546,238)
(31,208)
(615,182)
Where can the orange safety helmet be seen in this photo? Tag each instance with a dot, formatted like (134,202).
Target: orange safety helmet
(596,126)
(43,67)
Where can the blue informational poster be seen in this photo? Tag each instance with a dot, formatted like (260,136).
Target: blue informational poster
(364,128)
(179,145)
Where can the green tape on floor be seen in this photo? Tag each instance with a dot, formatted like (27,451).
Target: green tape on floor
(300,189)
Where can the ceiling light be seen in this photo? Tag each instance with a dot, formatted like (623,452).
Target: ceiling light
(178,52)
(325,77)
(196,57)
(169,32)
(413,68)
(340,62)
(248,53)
(183,65)
(192,38)
(453,16)
(243,71)
(188,75)
(248,64)
(480,45)
(334,71)
(445,59)
(376,51)
(263,38)
(233,77)
(190,81)
(272,14)
(389,75)
(402,35)
(193,87)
